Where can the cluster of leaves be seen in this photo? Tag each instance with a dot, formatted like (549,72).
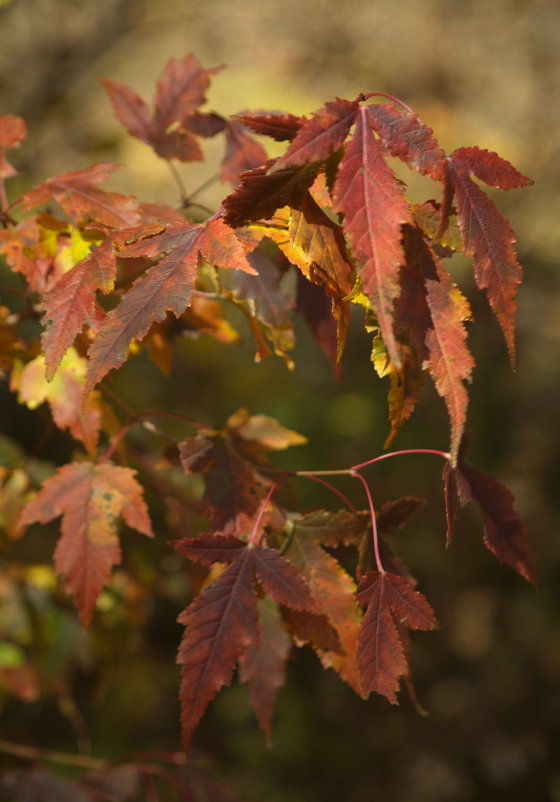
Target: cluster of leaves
(111,275)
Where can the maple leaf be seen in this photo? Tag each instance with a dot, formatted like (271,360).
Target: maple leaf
(166,286)
(89,498)
(374,209)
(408,138)
(340,528)
(242,153)
(278,126)
(12,133)
(505,534)
(263,666)
(222,623)
(316,309)
(487,236)
(78,193)
(323,134)
(64,395)
(391,601)
(180,91)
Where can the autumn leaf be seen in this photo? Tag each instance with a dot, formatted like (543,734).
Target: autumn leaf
(374,210)
(222,623)
(78,193)
(164,287)
(89,498)
(391,601)
(169,130)
(505,534)
(64,395)
(12,133)
(334,591)
(487,236)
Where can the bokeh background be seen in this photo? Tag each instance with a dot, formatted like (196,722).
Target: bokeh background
(485,73)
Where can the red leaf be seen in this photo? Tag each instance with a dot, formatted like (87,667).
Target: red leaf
(505,534)
(222,622)
(89,498)
(181,89)
(12,132)
(321,135)
(79,196)
(381,658)
(167,286)
(242,153)
(490,168)
(263,666)
(316,309)
(280,127)
(489,239)
(374,209)
(408,138)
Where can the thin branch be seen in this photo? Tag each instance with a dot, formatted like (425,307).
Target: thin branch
(53,756)
(256,526)
(443,454)
(334,490)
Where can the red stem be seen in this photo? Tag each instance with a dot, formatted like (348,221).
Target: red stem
(373,523)
(255,532)
(334,490)
(443,454)
(389,97)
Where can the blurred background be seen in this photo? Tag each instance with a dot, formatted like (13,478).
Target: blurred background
(479,73)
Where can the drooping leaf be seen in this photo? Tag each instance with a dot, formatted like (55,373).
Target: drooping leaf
(487,236)
(408,138)
(263,666)
(316,309)
(130,109)
(79,195)
(12,133)
(505,534)
(391,601)
(89,498)
(374,210)
(323,134)
(167,286)
(222,623)
(334,591)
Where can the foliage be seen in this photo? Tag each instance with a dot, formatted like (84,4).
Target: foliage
(112,275)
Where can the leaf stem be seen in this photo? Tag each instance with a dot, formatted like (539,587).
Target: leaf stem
(256,526)
(334,490)
(340,472)
(179,181)
(443,454)
(373,522)
(389,97)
